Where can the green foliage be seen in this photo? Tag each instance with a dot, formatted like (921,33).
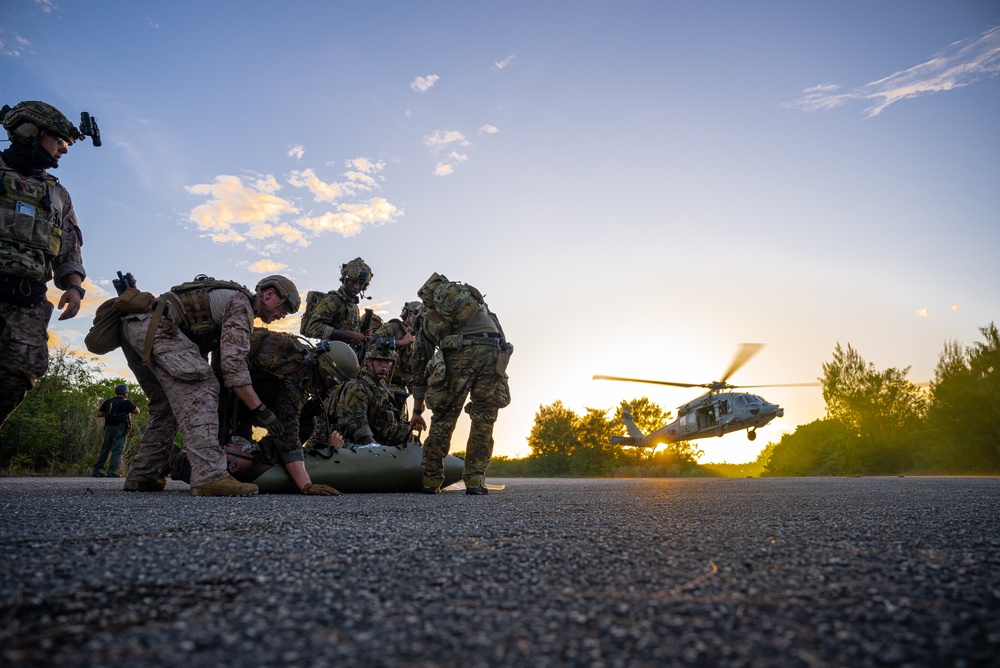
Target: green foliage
(566,444)
(56,428)
(964,417)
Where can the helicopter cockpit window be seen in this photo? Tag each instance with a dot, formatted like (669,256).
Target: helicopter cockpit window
(753,399)
(741,400)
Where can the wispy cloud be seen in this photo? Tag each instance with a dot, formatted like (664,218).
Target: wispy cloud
(489,130)
(443,143)
(424,84)
(297,151)
(15,47)
(257,209)
(959,64)
(923,312)
(46,6)
(504,63)
(152,24)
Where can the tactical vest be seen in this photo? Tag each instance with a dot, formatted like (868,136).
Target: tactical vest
(191,308)
(31,226)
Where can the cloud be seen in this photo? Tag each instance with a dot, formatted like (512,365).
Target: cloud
(15,50)
(923,312)
(267,266)
(47,5)
(959,64)
(489,130)
(424,84)
(237,203)
(152,24)
(297,152)
(440,141)
(503,63)
(322,192)
(248,210)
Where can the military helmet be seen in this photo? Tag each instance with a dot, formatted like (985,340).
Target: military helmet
(27,119)
(285,289)
(339,360)
(410,307)
(381,348)
(121,389)
(356,269)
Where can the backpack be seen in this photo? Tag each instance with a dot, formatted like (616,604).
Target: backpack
(195,312)
(456,302)
(279,354)
(105,334)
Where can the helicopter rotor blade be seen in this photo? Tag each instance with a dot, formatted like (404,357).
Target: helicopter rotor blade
(743,355)
(652,382)
(745,387)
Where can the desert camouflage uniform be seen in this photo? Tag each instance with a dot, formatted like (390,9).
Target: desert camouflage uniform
(334,310)
(466,366)
(24,351)
(183,390)
(364,408)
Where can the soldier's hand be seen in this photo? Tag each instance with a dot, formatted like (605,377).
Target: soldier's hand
(70,301)
(265,417)
(313,489)
(335,440)
(417,422)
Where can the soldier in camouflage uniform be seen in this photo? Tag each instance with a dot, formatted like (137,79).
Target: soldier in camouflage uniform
(401,331)
(363,410)
(452,361)
(334,315)
(39,241)
(283,369)
(335,367)
(182,388)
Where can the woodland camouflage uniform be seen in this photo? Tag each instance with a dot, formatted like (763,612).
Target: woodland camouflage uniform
(402,370)
(451,363)
(364,408)
(332,310)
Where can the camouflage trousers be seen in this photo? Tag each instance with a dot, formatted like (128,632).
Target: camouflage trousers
(183,395)
(24,351)
(471,372)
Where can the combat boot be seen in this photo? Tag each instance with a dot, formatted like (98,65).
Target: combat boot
(477,490)
(155,485)
(228,486)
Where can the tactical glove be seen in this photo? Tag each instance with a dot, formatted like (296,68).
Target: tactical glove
(312,489)
(265,417)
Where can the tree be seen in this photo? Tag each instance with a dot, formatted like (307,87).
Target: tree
(964,416)
(553,439)
(883,409)
(594,455)
(822,447)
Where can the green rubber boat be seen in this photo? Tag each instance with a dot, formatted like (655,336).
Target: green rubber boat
(352,469)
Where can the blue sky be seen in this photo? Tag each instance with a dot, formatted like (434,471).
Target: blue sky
(638,187)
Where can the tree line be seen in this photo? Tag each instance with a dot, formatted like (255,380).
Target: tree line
(877,423)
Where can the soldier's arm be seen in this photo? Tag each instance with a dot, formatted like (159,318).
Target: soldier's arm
(352,414)
(234,349)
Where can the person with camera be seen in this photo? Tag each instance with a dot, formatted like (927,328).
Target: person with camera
(39,241)
(117,412)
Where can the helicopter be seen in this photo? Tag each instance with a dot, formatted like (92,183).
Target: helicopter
(715,413)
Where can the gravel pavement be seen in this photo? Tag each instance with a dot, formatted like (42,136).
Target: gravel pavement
(744,572)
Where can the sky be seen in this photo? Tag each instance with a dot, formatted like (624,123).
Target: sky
(637,187)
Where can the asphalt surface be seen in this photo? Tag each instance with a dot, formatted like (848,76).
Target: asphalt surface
(749,572)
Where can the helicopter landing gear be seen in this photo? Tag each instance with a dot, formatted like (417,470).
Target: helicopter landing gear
(751,434)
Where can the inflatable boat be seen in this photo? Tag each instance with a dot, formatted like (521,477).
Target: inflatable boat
(352,469)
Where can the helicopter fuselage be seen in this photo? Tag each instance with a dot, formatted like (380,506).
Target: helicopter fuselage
(712,414)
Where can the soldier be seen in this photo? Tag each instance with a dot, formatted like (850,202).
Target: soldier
(202,316)
(401,331)
(39,241)
(334,315)
(283,368)
(363,410)
(335,366)
(460,352)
